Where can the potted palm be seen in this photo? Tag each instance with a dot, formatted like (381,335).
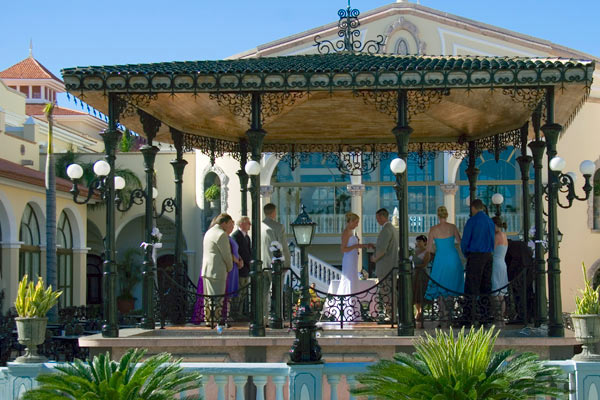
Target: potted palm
(461,365)
(586,320)
(33,303)
(159,377)
(212,194)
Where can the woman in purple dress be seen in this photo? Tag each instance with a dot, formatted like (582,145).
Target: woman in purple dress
(233,278)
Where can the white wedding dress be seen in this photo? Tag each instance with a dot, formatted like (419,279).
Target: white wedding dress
(349,282)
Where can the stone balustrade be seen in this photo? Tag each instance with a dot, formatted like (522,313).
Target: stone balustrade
(280,381)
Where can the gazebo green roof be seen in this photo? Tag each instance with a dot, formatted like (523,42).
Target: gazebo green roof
(340,97)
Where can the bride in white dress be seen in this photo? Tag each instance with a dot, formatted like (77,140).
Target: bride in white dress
(349,280)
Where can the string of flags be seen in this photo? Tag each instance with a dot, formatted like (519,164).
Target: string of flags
(96,113)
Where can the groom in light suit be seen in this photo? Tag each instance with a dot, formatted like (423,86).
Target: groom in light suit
(271,230)
(386,256)
(217,261)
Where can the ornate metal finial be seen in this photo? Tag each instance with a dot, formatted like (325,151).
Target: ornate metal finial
(349,33)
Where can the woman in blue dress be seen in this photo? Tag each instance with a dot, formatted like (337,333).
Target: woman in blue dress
(447,273)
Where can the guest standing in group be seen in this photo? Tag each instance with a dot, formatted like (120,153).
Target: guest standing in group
(244,243)
(478,246)
(271,231)
(233,280)
(447,273)
(217,261)
(420,279)
(499,270)
(349,279)
(385,257)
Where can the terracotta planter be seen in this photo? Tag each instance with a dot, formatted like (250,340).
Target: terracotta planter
(31,333)
(125,305)
(587,332)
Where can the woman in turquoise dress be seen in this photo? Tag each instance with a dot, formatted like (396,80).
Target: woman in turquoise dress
(447,273)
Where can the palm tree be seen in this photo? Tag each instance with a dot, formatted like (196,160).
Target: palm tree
(447,368)
(157,378)
(50,180)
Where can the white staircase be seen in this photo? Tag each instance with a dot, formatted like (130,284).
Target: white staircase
(319,272)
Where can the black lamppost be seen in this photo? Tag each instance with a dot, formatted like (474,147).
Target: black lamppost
(305,349)
(497,200)
(257,326)
(559,183)
(102,185)
(406,324)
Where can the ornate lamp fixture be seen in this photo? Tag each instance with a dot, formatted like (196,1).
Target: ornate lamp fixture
(97,185)
(305,349)
(565,183)
(497,200)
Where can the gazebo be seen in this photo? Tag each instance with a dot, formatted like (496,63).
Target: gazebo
(353,105)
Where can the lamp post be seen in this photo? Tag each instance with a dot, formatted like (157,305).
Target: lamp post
(305,349)
(497,200)
(257,326)
(560,183)
(102,185)
(404,289)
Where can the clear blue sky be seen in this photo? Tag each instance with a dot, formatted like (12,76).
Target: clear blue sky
(68,33)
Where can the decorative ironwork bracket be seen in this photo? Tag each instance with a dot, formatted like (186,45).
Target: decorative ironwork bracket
(349,33)
(530,97)
(240,104)
(386,101)
(131,102)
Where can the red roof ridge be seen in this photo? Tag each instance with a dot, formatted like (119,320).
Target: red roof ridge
(29,68)
(38,109)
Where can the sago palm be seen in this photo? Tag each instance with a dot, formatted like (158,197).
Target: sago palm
(446,367)
(157,378)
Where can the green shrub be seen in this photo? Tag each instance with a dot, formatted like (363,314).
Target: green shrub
(589,302)
(445,368)
(157,378)
(212,193)
(33,300)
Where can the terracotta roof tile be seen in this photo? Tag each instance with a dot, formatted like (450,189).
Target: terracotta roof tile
(23,174)
(29,68)
(38,109)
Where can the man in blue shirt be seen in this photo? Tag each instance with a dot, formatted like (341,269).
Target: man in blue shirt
(477,245)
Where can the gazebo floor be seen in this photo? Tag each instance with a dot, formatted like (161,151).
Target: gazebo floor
(360,342)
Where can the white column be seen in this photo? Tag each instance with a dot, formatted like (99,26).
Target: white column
(266,191)
(449,190)
(80,276)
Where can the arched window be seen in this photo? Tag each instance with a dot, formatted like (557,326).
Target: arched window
(64,254)
(402,48)
(424,194)
(316,183)
(502,176)
(29,253)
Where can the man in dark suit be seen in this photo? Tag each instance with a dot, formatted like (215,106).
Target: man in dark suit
(477,245)
(245,251)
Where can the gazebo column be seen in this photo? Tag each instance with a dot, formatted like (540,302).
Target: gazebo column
(537,149)
(151,126)
(449,190)
(406,324)
(524,163)
(551,132)
(255,138)
(241,173)
(111,136)
(180,273)
(472,173)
